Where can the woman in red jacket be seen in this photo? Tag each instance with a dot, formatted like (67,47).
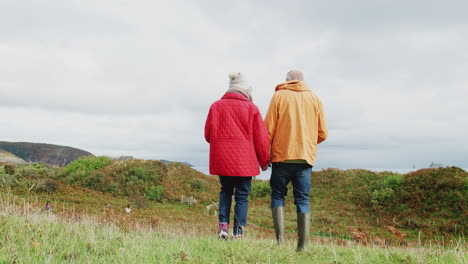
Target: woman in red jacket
(239,143)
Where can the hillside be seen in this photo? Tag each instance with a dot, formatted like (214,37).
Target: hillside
(9,158)
(54,155)
(28,234)
(353,206)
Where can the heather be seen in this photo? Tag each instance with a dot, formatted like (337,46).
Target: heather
(357,215)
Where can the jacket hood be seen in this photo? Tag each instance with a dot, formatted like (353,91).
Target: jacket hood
(297,86)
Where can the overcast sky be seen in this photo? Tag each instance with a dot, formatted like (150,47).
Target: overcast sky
(138,77)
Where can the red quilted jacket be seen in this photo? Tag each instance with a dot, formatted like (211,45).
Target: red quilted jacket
(239,140)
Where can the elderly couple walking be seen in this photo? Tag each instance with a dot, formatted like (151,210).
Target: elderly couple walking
(241,142)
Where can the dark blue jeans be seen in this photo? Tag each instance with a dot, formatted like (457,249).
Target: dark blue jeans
(240,187)
(299,175)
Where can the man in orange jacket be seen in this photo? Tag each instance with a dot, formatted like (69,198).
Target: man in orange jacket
(296,123)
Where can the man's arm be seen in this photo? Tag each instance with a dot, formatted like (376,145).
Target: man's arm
(271,117)
(322,125)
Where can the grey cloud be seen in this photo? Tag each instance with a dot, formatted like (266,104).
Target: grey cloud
(137,79)
(56,22)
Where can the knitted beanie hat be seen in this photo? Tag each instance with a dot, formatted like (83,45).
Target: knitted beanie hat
(238,83)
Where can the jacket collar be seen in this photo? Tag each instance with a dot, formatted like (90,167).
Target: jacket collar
(235,96)
(297,86)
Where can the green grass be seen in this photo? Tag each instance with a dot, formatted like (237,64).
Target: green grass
(30,235)
(427,206)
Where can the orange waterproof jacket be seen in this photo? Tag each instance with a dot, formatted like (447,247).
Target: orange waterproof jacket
(296,123)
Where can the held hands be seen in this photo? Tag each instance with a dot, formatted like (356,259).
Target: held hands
(264,168)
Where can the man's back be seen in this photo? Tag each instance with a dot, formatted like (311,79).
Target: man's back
(296,123)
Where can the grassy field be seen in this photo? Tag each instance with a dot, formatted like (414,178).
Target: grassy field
(358,216)
(28,234)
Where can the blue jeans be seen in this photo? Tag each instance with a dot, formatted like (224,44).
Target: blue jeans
(241,194)
(299,175)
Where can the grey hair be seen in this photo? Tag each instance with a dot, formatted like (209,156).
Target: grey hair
(295,75)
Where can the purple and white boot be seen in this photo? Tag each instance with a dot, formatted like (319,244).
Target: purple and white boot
(223,229)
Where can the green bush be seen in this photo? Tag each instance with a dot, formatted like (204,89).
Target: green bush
(139,201)
(128,178)
(393,181)
(25,176)
(95,181)
(114,187)
(35,170)
(79,170)
(156,193)
(7,180)
(48,186)
(197,185)
(9,169)
(439,193)
(363,184)
(383,197)
(380,190)
(430,190)
(260,188)
(143,173)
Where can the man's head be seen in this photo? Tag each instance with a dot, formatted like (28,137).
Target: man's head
(294,75)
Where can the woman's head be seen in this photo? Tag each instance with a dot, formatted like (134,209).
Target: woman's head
(237,82)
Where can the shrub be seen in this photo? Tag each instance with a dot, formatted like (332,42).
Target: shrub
(197,185)
(393,181)
(156,193)
(127,178)
(114,187)
(260,188)
(143,173)
(48,186)
(383,197)
(431,189)
(6,180)
(80,169)
(139,201)
(438,193)
(364,183)
(9,169)
(29,175)
(35,170)
(96,182)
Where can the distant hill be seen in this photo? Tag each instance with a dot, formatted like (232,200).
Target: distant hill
(169,162)
(9,158)
(121,158)
(54,155)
